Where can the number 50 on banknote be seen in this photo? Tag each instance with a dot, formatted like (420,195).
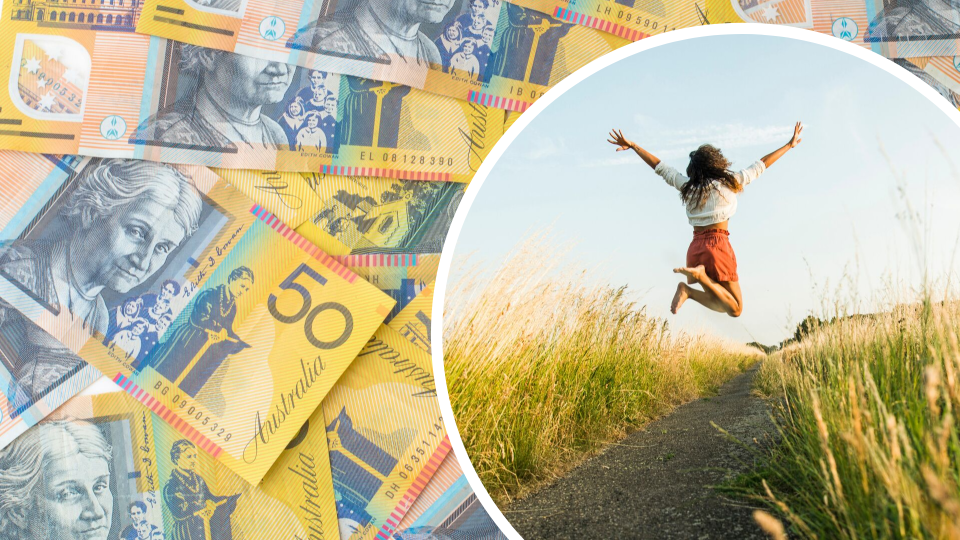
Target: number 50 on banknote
(196,301)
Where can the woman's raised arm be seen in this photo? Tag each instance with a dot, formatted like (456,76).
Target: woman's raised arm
(770,158)
(617,139)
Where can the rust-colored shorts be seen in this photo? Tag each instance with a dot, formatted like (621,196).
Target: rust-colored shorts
(712,249)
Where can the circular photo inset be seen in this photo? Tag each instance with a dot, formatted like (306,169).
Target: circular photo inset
(709,290)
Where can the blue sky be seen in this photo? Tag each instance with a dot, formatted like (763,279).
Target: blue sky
(829,208)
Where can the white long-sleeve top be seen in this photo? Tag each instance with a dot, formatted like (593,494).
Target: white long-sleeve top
(721,202)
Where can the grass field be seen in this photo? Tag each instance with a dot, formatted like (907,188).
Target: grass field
(543,369)
(867,408)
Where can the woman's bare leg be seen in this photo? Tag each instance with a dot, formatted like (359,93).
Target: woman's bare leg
(723,297)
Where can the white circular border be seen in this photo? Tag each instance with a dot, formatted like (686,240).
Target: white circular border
(446,257)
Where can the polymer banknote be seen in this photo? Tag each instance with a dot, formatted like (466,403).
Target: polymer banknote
(448,508)
(182,291)
(401,276)
(636,19)
(414,321)
(894,29)
(107,467)
(345,215)
(485,51)
(943,69)
(107,92)
(385,434)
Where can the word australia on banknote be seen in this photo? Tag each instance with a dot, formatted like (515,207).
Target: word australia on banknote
(112,93)
(105,467)
(345,215)
(187,294)
(487,51)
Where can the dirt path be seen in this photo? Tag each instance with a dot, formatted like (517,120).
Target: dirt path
(657,483)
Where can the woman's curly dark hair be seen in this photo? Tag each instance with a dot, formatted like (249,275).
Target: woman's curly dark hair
(706,165)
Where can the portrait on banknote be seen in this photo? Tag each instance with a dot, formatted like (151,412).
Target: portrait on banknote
(112,250)
(218,101)
(379,32)
(104,237)
(196,511)
(70,479)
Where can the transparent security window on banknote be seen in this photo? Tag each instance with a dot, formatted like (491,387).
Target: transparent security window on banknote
(100,90)
(194,299)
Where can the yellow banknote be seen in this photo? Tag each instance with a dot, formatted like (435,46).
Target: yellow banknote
(186,293)
(401,276)
(100,90)
(636,19)
(142,479)
(302,479)
(356,214)
(494,53)
(385,434)
(414,320)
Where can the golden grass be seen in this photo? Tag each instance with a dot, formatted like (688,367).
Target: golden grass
(868,416)
(544,368)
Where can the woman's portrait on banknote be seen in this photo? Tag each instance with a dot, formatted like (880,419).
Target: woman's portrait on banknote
(56,484)
(376,31)
(118,223)
(197,512)
(227,108)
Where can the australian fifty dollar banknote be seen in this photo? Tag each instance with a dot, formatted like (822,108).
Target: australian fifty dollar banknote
(180,289)
(106,467)
(101,90)
(487,51)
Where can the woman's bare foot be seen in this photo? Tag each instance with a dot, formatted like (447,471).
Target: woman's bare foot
(679,298)
(696,273)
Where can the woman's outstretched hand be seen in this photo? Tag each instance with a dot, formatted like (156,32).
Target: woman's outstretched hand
(797,129)
(617,139)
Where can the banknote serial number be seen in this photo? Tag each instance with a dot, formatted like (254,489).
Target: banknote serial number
(421,453)
(180,403)
(406,159)
(627,18)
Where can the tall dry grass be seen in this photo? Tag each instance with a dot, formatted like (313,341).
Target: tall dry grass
(870,442)
(544,367)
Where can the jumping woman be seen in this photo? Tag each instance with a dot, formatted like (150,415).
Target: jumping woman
(709,192)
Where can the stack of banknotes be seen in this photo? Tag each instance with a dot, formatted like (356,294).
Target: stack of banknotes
(234,209)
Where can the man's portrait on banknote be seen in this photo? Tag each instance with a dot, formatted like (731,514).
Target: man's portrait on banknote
(915,20)
(197,512)
(112,228)
(225,105)
(57,484)
(376,31)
